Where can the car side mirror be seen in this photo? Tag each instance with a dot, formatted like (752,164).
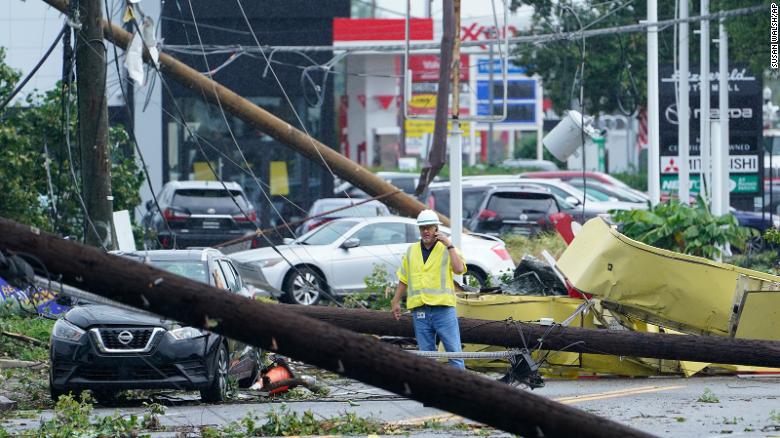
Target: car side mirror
(351,243)
(149,205)
(573,200)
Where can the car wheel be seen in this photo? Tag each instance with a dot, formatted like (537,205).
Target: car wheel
(217,391)
(755,244)
(474,277)
(303,286)
(256,365)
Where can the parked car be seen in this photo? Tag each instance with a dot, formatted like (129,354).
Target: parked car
(759,222)
(521,163)
(108,349)
(198,214)
(510,211)
(600,177)
(366,209)
(570,199)
(337,257)
(407,182)
(612,193)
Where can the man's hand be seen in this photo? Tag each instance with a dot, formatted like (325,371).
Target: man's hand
(442,238)
(396,307)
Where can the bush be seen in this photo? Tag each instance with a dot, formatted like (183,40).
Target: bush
(682,228)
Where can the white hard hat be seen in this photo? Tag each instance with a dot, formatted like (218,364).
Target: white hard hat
(428,217)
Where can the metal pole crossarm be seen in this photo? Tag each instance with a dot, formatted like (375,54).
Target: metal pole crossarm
(274,328)
(217,94)
(544,38)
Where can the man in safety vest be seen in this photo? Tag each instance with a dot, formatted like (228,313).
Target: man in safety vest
(425,276)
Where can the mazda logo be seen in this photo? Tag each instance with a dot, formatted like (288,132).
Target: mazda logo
(125,337)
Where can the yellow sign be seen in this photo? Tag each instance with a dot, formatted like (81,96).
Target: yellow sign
(279,180)
(426,104)
(203,171)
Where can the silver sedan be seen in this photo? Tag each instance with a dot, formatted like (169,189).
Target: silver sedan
(338,256)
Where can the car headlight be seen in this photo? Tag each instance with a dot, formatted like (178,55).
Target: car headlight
(186,333)
(270,262)
(67,331)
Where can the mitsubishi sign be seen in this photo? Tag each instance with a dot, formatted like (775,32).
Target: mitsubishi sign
(745,131)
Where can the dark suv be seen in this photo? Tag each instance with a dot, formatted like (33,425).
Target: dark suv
(514,211)
(198,213)
(108,349)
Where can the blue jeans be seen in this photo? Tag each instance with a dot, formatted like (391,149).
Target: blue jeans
(430,321)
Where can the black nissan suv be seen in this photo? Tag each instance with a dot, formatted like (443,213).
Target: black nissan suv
(198,213)
(108,349)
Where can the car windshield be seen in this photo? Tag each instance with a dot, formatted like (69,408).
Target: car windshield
(515,204)
(328,233)
(216,198)
(192,269)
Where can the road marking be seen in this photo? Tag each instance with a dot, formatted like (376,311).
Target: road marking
(564,400)
(614,394)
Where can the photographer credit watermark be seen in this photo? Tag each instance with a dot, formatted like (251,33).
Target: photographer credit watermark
(774,62)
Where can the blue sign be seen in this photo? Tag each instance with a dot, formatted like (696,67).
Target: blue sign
(44,301)
(484,64)
(521,100)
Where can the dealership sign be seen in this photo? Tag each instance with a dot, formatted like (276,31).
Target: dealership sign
(745,130)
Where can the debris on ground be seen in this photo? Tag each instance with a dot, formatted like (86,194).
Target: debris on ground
(534,277)
(6,404)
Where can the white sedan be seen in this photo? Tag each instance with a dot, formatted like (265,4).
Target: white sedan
(338,256)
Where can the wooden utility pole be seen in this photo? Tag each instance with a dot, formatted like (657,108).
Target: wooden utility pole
(266,122)
(710,349)
(93,125)
(274,328)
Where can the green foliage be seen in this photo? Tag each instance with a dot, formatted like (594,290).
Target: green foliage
(772,235)
(33,140)
(708,397)
(28,325)
(682,228)
(74,418)
(616,64)
(774,416)
(764,261)
(284,422)
(375,296)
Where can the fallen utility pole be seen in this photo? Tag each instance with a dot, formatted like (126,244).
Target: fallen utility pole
(710,349)
(274,328)
(217,94)
(93,125)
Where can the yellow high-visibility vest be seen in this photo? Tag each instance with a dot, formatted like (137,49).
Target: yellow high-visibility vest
(430,282)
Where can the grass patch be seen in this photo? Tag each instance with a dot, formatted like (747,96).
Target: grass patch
(33,326)
(518,246)
(708,397)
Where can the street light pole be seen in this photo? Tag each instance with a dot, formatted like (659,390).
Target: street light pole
(683,108)
(653,151)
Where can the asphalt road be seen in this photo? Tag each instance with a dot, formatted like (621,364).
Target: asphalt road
(669,407)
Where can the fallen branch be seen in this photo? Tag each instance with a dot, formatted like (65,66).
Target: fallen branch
(25,339)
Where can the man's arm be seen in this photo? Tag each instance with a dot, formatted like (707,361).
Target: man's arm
(400,291)
(458,265)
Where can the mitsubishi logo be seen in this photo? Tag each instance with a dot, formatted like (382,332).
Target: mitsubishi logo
(671,167)
(125,337)
(211,211)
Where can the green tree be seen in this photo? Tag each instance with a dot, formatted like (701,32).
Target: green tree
(32,140)
(616,64)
